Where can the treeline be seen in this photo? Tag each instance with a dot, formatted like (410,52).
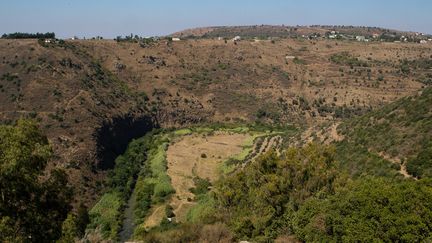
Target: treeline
(20,35)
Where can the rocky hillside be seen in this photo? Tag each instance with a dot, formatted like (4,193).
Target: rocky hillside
(92,97)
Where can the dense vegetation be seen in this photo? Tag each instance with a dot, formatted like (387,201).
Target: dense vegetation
(153,184)
(19,35)
(305,195)
(261,199)
(401,130)
(369,210)
(33,204)
(106,215)
(357,161)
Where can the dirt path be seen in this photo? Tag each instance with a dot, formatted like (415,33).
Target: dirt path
(334,135)
(155,217)
(403,170)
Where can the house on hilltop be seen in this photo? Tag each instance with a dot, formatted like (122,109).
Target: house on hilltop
(360,38)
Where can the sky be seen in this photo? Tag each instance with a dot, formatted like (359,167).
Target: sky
(110,18)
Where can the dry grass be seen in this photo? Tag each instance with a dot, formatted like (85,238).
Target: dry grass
(185,162)
(155,217)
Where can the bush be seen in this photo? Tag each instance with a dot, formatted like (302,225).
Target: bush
(369,210)
(421,165)
(255,198)
(201,186)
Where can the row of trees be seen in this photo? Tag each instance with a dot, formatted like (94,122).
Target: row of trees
(20,35)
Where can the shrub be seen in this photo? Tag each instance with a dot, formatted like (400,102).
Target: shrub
(201,186)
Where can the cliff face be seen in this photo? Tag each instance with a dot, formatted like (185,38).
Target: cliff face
(113,137)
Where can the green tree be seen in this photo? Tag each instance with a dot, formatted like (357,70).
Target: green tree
(82,220)
(369,210)
(69,229)
(257,199)
(33,202)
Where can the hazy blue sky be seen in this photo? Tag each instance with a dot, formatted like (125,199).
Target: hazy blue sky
(110,18)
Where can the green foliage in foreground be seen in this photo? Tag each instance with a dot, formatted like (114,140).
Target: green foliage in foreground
(305,194)
(74,226)
(260,198)
(32,209)
(205,210)
(369,210)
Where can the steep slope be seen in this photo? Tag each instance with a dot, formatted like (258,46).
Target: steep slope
(401,132)
(285,81)
(392,141)
(72,97)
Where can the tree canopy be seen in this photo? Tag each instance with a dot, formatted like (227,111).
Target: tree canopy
(19,35)
(306,194)
(33,202)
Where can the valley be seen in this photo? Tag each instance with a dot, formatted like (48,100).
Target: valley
(203,138)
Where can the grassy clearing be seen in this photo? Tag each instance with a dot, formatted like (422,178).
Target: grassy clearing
(182,132)
(106,215)
(153,184)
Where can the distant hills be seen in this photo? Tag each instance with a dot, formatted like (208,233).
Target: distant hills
(313,31)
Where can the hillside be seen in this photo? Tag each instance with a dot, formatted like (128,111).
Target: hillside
(282,31)
(304,193)
(204,138)
(400,132)
(98,95)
